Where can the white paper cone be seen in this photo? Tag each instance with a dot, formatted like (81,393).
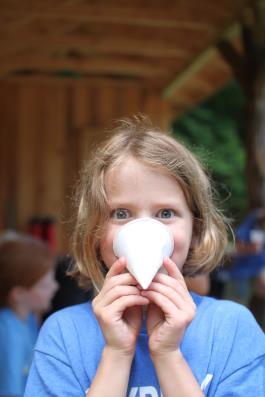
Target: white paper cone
(144,242)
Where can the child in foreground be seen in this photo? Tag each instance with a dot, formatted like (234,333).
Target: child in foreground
(27,286)
(162,341)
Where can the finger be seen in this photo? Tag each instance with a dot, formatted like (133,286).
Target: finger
(118,266)
(124,279)
(117,292)
(163,302)
(172,307)
(178,284)
(175,285)
(124,302)
(170,293)
(120,279)
(173,270)
(173,316)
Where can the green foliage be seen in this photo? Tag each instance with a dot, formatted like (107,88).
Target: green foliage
(214,132)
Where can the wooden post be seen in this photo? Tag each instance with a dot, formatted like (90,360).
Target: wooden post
(249,71)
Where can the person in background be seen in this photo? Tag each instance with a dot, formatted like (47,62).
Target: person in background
(248,266)
(27,286)
(246,271)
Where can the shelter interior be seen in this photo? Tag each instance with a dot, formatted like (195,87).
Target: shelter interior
(70,67)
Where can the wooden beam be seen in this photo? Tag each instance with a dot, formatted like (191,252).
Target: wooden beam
(197,64)
(87,81)
(145,46)
(235,60)
(94,66)
(166,21)
(79,58)
(169,13)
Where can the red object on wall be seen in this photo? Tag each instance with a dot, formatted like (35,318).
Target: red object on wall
(44,229)
(35,227)
(49,233)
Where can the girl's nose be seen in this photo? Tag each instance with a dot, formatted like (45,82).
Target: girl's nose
(144,214)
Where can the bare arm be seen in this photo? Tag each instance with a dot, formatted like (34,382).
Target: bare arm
(175,376)
(170,312)
(119,313)
(112,375)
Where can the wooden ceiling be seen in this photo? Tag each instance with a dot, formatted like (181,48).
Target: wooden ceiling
(169,44)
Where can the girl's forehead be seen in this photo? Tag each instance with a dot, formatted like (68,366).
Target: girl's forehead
(132,175)
(131,165)
(121,172)
(130,169)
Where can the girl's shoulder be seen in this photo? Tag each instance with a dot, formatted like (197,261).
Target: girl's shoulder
(74,311)
(66,332)
(68,323)
(229,343)
(224,320)
(222,310)
(76,314)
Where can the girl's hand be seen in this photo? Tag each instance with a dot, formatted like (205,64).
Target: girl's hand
(170,311)
(118,309)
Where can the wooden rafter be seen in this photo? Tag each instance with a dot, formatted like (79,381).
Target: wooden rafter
(94,66)
(165,43)
(170,13)
(117,45)
(197,64)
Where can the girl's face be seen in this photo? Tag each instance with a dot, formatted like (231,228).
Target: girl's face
(136,191)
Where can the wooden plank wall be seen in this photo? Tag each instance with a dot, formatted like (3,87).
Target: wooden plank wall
(46,130)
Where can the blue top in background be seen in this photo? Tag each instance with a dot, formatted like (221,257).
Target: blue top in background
(17,341)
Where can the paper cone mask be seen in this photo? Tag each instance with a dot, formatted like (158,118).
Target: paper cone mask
(144,242)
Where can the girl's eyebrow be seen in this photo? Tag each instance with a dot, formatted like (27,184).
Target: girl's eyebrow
(159,204)
(119,204)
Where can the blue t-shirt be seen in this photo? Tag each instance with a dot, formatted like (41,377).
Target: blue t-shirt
(223,345)
(17,341)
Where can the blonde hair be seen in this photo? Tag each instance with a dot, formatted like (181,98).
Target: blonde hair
(140,140)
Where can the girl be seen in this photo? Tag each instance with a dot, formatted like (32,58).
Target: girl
(162,341)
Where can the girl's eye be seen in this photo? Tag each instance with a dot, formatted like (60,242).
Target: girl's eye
(120,213)
(166,213)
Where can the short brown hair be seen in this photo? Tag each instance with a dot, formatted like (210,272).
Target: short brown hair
(157,150)
(23,261)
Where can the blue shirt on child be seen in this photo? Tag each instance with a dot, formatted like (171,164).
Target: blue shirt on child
(223,345)
(17,341)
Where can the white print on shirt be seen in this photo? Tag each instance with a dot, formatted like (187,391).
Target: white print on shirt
(144,391)
(150,391)
(207,380)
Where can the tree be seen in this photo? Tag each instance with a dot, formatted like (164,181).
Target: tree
(214,131)
(249,70)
